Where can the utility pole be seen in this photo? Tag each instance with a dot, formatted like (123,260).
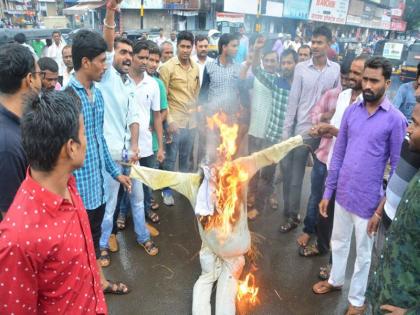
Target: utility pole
(141,14)
(257,23)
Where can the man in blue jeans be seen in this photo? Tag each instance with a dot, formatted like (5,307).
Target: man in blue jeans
(180,75)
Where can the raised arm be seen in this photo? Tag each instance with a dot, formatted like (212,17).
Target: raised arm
(109,25)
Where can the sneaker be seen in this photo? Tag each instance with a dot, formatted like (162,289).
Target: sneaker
(113,243)
(168,198)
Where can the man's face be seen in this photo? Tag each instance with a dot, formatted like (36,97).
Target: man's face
(413,130)
(50,80)
(287,66)
(140,60)
(184,50)
(356,75)
(344,77)
(304,54)
(232,48)
(167,52)
(173,36)
(374,84)
(202,48)
(242,31)
(96,68)
(153,63)
(67,58)
(123,57)
(417,87)
(270,62)
(56,38)
(79,149)
(320,46)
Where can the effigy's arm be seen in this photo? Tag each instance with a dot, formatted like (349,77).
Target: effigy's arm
(185,183)
(271,155)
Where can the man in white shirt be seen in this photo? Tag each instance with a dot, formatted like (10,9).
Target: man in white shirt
(173,40)
(122,119)
(147,100)
(161,38)
(201,58)
(55,52)
(68,62)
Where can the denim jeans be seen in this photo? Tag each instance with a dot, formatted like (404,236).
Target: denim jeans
(182,143)
(137,206)
(318,176)
(148,161)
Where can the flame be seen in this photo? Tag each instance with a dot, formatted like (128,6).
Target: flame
(247,290)
(229,177)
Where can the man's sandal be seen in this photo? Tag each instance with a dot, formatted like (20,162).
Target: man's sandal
(153,217)
(290,225)
(323,287)
(117,288)
(309,251)
(104,259)
(324,272)
(150,248)
(121,222)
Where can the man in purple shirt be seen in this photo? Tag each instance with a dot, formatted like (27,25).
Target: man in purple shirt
(371,133)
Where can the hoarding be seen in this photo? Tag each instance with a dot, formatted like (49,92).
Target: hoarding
(331,11)
(296,9)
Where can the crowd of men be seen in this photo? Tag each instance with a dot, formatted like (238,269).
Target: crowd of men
(72,121)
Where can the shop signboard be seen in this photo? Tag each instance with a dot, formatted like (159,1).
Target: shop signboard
(296,9)
(331,11)
(241,6)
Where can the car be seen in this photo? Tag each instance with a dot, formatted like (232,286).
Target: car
(409,66)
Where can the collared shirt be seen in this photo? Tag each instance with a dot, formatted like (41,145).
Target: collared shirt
(201,66)
(364,145)
(13,162)
(326,104)
(396,281)
(98,160)
(159,40)
(56,52)
(120,111)
(407,167)
(308,85)
(47,259)
(405,99)
(146,99)
(66,77)
(182,87)
(260,109)
(163,106)
(220,88)
(280,94)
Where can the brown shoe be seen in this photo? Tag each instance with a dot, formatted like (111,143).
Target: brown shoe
(356,310)
(113,243)
(152,230)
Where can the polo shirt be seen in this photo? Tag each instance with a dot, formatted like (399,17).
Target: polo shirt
(13,162)
(163,106)
(146,99)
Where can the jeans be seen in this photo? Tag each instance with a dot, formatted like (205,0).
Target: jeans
(182,143)
(137,206)
(318,176)
(95,219)
(148,161)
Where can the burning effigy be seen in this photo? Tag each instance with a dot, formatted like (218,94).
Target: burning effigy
(218,196)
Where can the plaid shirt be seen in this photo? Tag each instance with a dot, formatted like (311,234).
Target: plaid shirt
(280,97)
(90,178)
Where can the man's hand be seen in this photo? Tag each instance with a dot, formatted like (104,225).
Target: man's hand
(393,310)
(323,207)
(373,225)
(160,155)
(134,155)
(259,43)
(313,132)
(125,181)
(173,128)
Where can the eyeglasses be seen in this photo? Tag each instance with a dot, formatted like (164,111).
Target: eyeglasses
(41,74)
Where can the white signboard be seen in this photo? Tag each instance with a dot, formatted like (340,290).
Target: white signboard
(136,4)
(274,9)
(241,6)
(331,11)
(393,50)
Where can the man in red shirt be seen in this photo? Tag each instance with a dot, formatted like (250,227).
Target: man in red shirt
(47,259)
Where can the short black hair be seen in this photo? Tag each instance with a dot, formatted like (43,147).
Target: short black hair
(380,63)
(185,35)
(153,48)
(56,32)
(200,38)
(47,63)
(289,51)
(345,66)
(16,62)
(122,41)
(307,47)
(140,45)
(86,44)
(225,39)
(20,38)
(323,31)
(47,124)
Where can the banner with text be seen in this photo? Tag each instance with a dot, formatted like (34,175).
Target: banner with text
(331,11)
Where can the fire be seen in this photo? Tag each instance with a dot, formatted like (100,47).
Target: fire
(229,177)
(248,291)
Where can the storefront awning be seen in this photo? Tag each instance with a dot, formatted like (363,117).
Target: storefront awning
(81,8)
(185,13)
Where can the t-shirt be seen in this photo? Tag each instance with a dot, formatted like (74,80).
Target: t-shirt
(13,162)
(163,106)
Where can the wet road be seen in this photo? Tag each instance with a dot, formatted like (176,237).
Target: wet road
(162,285)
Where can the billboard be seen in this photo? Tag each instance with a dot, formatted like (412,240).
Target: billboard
(148,4)
(331,11)
(241,6)
(296,9)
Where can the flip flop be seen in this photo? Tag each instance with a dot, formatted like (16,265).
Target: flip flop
(323,287)
(120,288)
